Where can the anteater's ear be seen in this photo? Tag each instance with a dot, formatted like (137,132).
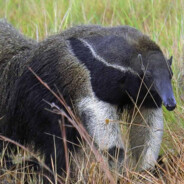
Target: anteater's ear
(170,60)
(141,62)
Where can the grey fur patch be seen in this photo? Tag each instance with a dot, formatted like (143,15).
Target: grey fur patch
(146,137)
(94,114)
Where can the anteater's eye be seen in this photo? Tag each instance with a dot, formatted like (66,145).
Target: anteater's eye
(148,75)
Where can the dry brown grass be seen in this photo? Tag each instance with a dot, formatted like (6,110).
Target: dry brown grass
(88,165)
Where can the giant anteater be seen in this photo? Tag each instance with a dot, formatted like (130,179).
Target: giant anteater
(100,71)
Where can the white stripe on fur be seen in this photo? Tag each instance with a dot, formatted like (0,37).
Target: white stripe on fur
(99,58)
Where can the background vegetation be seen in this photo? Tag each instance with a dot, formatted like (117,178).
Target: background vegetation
(162,20)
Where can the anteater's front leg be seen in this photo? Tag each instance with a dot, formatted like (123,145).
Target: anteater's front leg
(146,130)
(107,135)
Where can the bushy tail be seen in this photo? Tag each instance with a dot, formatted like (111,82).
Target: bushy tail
(12,41)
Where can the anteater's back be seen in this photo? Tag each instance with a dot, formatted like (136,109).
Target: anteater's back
(12,41)
(15,49)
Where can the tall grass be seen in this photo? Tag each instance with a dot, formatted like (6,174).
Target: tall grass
(162,20)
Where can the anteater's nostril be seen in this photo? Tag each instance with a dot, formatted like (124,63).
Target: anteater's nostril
(170,108)
(170,104)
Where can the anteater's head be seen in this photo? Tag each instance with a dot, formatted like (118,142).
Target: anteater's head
(158,70)
(155,73)
(126,67)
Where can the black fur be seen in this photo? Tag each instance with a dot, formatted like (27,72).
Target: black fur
(35,124)
(116,153)
(114,86)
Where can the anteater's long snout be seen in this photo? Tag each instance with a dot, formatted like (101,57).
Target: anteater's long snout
(170,103)
(165,91)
